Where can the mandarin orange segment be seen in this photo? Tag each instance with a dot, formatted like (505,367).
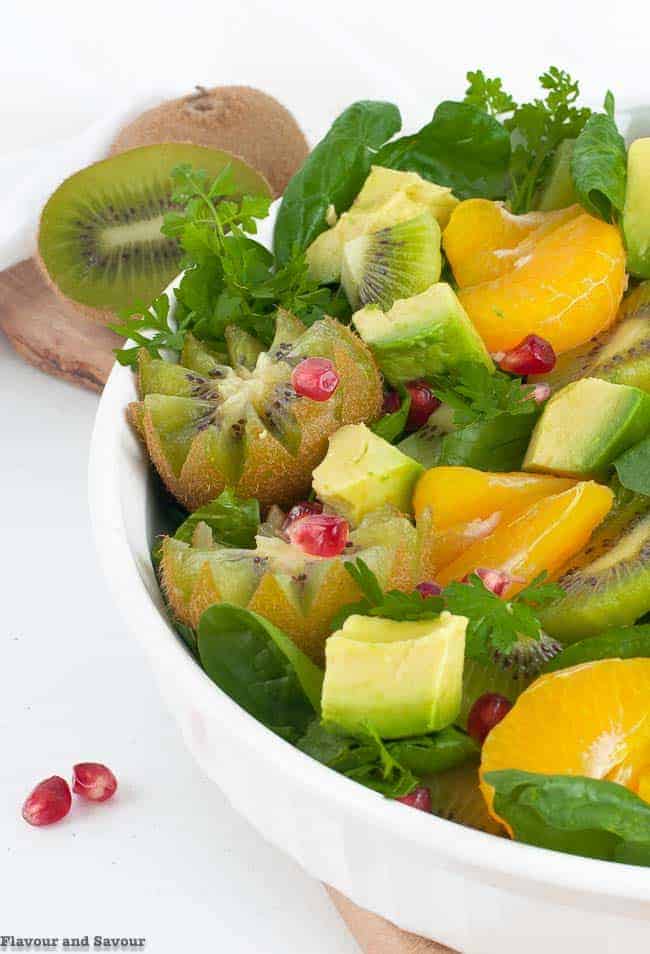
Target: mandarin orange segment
(456,495)
(483,240)
(560,275)
(587,720)
(543,537)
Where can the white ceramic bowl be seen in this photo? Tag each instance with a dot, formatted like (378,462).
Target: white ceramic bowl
(474,892)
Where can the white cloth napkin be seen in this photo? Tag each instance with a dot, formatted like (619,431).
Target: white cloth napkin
(29,177)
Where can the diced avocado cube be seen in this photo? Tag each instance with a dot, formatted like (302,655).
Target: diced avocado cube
(427,334)
(402,678)
(362,472)
(585,426)
(388,196)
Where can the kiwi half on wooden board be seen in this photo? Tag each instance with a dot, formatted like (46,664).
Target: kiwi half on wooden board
(248,428)
(239,119)
(99,241)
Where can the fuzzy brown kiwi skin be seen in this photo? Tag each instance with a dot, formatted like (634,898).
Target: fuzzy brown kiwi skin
(240,119)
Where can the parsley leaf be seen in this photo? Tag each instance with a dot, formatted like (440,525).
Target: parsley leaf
(476,395)
(393,604)
(537,128)
(494,623)
(488,94)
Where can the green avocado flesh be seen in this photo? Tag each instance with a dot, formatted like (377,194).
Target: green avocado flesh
(402,678)
(585,426)
(362,472)
(99,235)
(427,334)
(608,584)
(636,212)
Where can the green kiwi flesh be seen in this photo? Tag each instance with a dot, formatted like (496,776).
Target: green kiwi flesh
(620,355)
(99,238)
(396,262)
(243,349)
(456,796)
(608,584)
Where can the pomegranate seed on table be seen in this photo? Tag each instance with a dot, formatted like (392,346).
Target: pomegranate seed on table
(49,802)
(423,404)
(533,355)
(428,588)
(420,798)
(320,534)
(315,378)
(94,781)
(392,402)
(300,510)
(488,710)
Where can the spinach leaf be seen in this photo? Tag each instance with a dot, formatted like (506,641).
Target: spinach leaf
(363,758)
(581,816)
(462,147)
(234,521)
(599,167)
(260,668)
(332,174)
(428,754)
(625,642)
(391,426)
(633,467)
(498,444)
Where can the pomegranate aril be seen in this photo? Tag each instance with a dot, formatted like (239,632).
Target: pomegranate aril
(420,798)
(488,710)
(392,402)
(428,588)
(320,534)
(541,393)
(94,781)
(49,802)
(423,404)
(315,378)
(300,510)
(533,355)
(494,580)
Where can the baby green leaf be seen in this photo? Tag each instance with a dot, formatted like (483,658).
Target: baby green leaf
(633,467)
(599,166)
(581,816)
(234,520)
(626,642)
(462,147)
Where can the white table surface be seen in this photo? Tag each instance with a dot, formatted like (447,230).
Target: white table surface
(169,859)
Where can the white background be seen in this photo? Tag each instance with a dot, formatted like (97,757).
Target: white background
(169,859)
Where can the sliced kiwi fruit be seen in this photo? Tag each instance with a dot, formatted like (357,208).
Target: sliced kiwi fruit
(248,428)
(99,240)
(507,674)
(200,357)
(295,591)
(608,583)
(456,796)
(396,262)
(243,349)
(239,119)
(621,354)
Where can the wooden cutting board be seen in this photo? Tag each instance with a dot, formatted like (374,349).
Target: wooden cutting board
(53,336)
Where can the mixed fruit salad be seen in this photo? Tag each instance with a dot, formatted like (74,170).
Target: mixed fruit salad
(406,459)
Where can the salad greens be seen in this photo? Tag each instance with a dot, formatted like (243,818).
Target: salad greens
(626,642)
(599,165)
(259,667)
(582,816)
(392,426)
(633,467)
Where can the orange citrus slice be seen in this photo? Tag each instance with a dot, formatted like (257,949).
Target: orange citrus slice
(591,720)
